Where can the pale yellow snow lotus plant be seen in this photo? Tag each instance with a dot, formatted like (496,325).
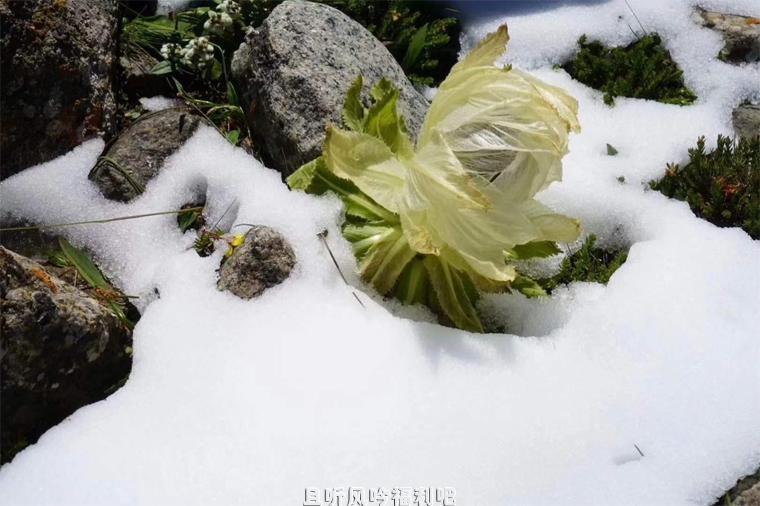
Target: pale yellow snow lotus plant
(435,223)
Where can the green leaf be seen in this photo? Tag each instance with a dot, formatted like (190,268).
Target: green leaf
(215,72)
(415,47)
(454,294)
(413,286)
(162,68)
(118,311)
(303,179)
(383,122)
(86,268)
(233,136)
(232,96)
(187,220)
(364,235)
(611,151)
(315,178)
(382,88)
(386,258)
(58,259)
(536,249)
(528,287)
(353,110)
(178,85)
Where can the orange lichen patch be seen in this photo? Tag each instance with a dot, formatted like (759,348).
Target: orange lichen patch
(45,278)
(753,21)
(107,295)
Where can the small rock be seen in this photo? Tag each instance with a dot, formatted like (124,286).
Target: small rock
(140,151)
(137,80)
(746,492)
(741,34)
(61,349)
(56,88)
(292,74)
(264,260)
(746,120)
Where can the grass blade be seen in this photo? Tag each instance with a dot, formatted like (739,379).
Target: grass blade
(82,263)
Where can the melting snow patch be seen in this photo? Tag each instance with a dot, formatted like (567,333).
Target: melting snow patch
(158,103)
(646,391)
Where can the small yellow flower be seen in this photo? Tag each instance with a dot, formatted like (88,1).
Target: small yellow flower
(236,241)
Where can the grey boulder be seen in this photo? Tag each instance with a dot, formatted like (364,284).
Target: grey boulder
(265,259)
(61,349)
(741,34)
(139,152)
(292,74)
(56,88)
(746,119)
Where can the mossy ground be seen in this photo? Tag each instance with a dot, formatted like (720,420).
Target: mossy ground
(642,69)
(721,186)
(588,264)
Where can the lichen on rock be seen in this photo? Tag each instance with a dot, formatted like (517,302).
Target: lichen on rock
(57,74)
(62,349)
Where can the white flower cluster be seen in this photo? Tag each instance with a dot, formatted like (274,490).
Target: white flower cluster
(231,7)
(198,53)
(218,22)
(172,51)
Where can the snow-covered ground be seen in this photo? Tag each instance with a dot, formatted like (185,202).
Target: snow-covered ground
(249,402)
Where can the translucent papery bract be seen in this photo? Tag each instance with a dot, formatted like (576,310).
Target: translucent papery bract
(434,217)
(437,214)
(502,124)
(437,223)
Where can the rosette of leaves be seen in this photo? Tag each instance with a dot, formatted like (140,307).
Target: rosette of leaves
(441,222)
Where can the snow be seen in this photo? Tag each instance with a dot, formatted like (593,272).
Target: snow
(249,402)
(158,103)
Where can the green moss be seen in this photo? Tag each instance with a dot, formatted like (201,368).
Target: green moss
(643,69)
(589,264)
(721,186)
